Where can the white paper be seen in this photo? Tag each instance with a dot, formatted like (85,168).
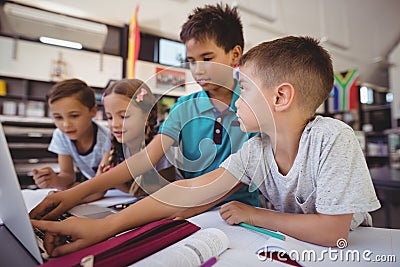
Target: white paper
(34,197)
(191,251)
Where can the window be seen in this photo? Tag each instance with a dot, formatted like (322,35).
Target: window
(161,50)
(171,53)
(148,48)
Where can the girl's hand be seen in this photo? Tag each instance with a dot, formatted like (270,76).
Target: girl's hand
(45,177)
(235,212)
(79,232)
(54,205)
(103,168)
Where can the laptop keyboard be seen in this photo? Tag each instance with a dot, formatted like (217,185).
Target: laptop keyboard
(38,233)
(40,237)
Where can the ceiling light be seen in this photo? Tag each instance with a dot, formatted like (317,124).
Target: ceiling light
(59,42)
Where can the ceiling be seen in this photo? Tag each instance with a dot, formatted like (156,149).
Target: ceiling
(358,33)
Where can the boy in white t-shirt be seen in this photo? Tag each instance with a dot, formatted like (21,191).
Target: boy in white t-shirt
(78,141)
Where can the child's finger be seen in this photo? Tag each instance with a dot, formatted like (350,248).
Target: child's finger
(42,172)
(41,184)
(49,226)
(41,179)
(106,168)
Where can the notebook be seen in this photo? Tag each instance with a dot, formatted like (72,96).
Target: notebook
(15,216)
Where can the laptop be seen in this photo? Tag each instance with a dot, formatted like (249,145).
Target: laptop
(13,211)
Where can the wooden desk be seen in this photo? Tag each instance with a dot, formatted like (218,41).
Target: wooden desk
(388,180)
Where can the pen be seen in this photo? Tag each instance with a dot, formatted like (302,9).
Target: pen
(126,204)
(210,262)
(262,230)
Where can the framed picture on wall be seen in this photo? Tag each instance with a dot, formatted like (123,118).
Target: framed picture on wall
(170,79)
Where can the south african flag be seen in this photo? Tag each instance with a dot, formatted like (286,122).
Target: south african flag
(345,91)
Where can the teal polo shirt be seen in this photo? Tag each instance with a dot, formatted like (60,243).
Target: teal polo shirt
(206,137)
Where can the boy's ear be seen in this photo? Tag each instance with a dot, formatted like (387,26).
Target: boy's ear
(236,55)
(284,94)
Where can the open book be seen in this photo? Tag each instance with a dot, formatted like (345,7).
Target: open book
(191,251)
(247,247)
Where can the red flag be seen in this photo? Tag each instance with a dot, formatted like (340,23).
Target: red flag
(133,43)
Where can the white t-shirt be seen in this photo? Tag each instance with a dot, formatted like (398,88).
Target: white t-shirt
(328,176)
(89,162)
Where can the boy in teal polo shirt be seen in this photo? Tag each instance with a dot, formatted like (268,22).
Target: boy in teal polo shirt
(203,124)
(194,119)
(206,137)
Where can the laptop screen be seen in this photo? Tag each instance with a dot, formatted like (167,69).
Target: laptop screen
(13,211)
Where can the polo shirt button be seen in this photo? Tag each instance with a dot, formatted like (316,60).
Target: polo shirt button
(217,131)
(219,119)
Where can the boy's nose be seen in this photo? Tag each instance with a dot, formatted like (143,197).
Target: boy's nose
(66,123)
(199,68)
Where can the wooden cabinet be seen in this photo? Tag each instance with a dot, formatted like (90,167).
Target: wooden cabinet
(25,117)
(24,97)
(27,97)
(377,149)
(28,140)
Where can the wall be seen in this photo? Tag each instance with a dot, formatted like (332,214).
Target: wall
(35,61)
(394,82)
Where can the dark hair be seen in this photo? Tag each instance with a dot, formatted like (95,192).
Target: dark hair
(218,23)
(131,88)
(72,87)
(301,61)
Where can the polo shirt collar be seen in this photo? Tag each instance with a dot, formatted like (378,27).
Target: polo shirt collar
(235,96)
(204,103)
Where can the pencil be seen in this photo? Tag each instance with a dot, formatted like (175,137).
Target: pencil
(210,262)
(262,230)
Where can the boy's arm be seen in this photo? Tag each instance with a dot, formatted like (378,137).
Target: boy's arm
(56,204)
(47,178)
(135,165)
(66,177)
(320,229)
(103,166)
(197,193)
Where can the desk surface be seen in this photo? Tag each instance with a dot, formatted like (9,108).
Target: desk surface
(366,242)
(374,243)
(12,253)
